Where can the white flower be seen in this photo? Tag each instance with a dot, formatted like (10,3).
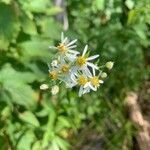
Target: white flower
(94,82)
(66,48)
(55,90)
(80,80)
(73,69)
(44,87)
(109,65)
(83,62)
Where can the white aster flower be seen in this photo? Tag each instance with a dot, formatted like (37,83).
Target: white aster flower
(94,82)
(53,72)
(66,48)
(80,80)
(83,62)
(55,90)
(73,69)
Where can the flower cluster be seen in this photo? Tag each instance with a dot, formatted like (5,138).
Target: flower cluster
(74,68)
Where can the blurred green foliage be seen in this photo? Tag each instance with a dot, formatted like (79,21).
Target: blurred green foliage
(34,120)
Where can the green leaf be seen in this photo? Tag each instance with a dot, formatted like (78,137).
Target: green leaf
(26,140)
(54,10)
(36,6)
(15,88)
(9,25)
(62,143)
(129,3)
(49,28)
(99,4)
(6,1)
(3,143)
(28,25)
(37,145)
(34,48)
(29,117)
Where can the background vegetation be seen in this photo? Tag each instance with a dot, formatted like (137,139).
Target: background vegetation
(34,120)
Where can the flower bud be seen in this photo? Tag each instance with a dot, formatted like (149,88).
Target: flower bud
(55,90)
(109,65)
(104,75)
(44,87)
(54,63)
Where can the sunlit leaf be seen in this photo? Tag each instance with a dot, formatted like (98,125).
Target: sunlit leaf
(29,117)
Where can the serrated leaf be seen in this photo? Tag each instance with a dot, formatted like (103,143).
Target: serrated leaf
(14,87)
(9,25)
(29,117)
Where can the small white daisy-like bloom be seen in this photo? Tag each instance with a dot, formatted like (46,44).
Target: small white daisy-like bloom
(80,80)
(94,82)
(109,65)
(66,48)
(83,62)
(55,90)
(53,73)
(44,87)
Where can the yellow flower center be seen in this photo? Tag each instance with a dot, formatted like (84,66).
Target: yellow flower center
(95,81)
(81,60)
(62,48)
(53,75)
(82,80)
(65,68)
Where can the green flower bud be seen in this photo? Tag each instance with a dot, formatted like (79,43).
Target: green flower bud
(104,75)
(109,65)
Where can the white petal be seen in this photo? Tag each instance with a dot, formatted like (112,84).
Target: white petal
(71,57)
(72,42)
(80,91)
(93,57)
(73,78)
(87,90)
(52,47)
(85,50)
(71,47)
(92,87)
(74,52)
(93,71)
(62,37)
(92,65)
(86,71)
(100,81)
(86,85)
(65,40)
